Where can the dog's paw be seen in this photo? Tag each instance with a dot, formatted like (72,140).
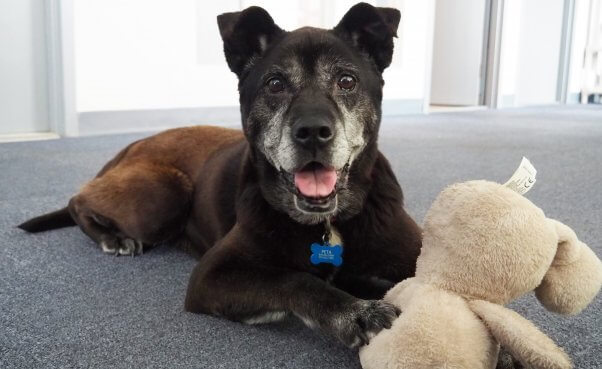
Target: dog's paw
(121,246)
(362,320)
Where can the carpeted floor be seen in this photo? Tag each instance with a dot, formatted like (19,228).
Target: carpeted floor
(65,304)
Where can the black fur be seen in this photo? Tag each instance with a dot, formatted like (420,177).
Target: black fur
(371,30)
(232,199)
(53,220)
(256,261)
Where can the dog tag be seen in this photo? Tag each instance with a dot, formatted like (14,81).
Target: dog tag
(326,254)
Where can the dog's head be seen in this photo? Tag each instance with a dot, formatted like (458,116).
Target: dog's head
(310,102)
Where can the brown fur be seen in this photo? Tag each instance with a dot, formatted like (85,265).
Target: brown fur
(143,190)
(164,166)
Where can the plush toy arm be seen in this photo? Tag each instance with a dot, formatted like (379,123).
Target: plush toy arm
(393,294)
(519,336)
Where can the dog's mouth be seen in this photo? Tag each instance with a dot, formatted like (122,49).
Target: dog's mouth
(315,186)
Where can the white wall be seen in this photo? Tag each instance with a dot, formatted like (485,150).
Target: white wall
(143,54)
(23,90)
(530,52)
(457,52)
(159,54)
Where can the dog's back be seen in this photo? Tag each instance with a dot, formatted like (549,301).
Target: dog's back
(185,149)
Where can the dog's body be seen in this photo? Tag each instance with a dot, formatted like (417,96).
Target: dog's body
(250,204)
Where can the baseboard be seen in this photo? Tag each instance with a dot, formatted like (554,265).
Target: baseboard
(107,122)
(33,136)
(394,107)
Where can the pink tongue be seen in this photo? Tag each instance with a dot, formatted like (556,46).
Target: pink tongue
(318,182)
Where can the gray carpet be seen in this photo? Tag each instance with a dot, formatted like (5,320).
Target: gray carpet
(65,304)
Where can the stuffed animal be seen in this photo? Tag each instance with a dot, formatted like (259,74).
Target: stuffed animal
(484,245)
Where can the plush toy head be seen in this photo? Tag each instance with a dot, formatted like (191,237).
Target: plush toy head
(484,241)
(484,245)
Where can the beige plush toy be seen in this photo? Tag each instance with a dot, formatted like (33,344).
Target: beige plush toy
(484,246)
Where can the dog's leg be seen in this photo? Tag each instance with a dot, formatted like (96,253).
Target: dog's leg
(129,208)
(362,286)
(236,286)
(101,230)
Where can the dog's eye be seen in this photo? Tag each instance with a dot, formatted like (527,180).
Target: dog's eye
(346,82)
(275,85)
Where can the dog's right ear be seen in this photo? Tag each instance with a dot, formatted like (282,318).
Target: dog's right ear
(246,35)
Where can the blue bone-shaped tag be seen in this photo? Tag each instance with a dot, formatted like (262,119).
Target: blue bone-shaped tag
(326,254)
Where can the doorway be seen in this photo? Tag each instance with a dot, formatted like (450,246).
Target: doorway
(532,64)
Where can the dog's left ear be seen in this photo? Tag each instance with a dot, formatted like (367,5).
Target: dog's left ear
(371,29)
(246,34)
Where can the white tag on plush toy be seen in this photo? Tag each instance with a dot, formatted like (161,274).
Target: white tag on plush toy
(523,178)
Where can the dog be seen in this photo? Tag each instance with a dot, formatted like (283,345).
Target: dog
(305,169)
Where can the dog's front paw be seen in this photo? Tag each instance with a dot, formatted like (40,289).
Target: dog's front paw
(362,320)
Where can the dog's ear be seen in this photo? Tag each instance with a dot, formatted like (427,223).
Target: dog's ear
(246,35)
(371,29)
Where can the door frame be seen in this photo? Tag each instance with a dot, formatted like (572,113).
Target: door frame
(566,47)
(494,20)
(60,61)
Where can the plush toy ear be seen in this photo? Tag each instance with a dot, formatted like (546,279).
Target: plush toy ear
(246,34)
(520,337)
(371,30)
(575,276)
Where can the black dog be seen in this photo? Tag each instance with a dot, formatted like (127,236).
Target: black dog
(306,170)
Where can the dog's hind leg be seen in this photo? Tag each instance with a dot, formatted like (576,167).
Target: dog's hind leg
(100,230)
(129,208)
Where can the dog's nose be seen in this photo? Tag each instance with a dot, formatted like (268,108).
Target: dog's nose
(313,131)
